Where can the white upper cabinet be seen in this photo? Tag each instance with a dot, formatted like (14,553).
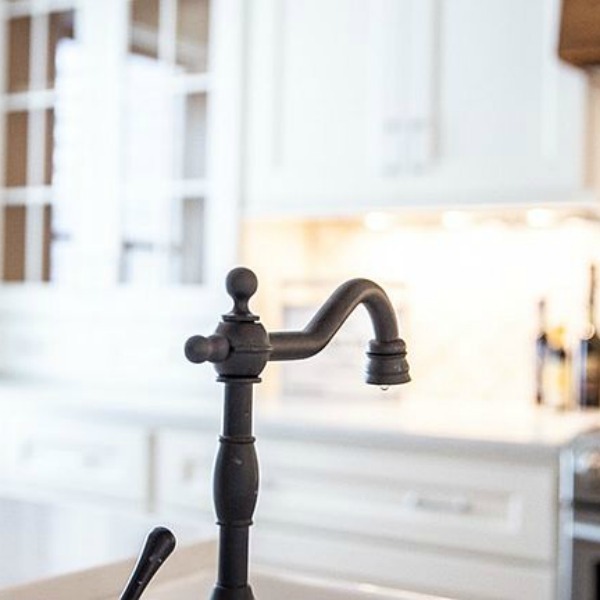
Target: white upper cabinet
(362,104)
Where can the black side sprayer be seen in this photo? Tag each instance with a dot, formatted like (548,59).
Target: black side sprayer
(157,548)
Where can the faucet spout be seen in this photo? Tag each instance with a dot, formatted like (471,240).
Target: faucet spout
(386,353)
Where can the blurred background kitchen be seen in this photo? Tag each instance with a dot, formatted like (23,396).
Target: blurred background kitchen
(439,147)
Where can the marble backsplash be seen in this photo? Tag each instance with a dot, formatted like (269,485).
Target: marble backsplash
(467,291)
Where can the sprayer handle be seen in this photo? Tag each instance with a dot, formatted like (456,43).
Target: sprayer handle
(158,546)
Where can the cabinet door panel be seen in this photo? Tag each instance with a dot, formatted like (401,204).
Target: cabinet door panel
(316,130)
(362,105)
(306,108)
(340,99)
(493,59)
(510,114)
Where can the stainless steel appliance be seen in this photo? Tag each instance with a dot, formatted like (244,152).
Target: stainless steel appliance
(579,568)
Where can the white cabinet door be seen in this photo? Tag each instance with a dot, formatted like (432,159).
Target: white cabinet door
(510,115)
(309,103)
(75,458)
(382,103)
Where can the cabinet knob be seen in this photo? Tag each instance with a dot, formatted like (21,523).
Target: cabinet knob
(440,504)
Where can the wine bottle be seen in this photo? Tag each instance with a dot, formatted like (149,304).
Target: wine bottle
(588,376)
(556,370)
(541,352)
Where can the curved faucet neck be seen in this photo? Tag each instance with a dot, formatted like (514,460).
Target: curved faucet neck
(293,345)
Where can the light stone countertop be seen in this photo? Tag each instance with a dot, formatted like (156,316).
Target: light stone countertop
(189,574)
(463,423)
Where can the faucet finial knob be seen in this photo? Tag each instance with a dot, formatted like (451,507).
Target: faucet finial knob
(241,285)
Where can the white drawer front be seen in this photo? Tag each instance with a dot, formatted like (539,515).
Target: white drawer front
(184,470)
(482,505)
(80,456)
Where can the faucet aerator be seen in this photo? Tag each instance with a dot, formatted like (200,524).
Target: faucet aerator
(387,364)
(386,371)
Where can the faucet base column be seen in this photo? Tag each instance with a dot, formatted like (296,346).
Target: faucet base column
(223,593)
(235,490)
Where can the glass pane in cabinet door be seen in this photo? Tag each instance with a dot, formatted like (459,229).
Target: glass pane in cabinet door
(144,24)
(13,268)
(46,241)
(40,147)
(19,38)
(61,27)
(193,30)
(15,166)
(48,146)
(27,242)
(194,137)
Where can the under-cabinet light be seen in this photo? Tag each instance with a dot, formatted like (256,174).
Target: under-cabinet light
(456,219)
(378,221)
(540,218)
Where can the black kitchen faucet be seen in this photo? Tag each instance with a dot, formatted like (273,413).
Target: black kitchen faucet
(240,349)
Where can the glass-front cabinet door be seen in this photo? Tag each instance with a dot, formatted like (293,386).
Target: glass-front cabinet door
(107,117)
(32,231)
(119,145)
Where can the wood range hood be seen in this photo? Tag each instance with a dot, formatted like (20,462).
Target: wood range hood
(579,40)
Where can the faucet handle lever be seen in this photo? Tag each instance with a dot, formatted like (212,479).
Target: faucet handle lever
(157,548)
(214,348)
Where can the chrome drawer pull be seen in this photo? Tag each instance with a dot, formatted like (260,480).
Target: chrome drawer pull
(451,504)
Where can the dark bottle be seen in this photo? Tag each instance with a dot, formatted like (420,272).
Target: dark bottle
(588,375)
(541,352)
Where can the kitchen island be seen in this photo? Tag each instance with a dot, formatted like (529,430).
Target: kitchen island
(438,497)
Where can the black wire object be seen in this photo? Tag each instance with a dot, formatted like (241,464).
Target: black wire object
(240,349)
